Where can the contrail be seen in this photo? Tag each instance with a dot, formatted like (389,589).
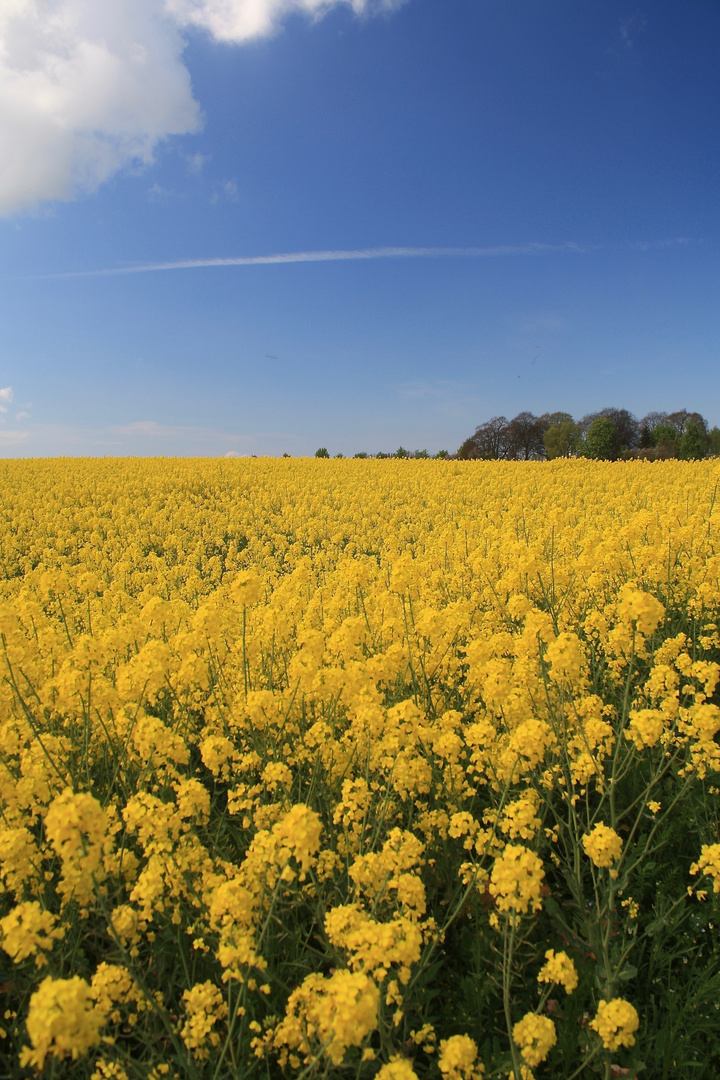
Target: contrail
(349,255)
(356,254)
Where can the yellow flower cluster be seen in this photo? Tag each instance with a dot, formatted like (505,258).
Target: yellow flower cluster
(325,1016)
(559,968)
(458,1059)
(62,1021)
(708,863)
(616,1023)
(536,1036)
(29,931)
(516,879)
(603,845)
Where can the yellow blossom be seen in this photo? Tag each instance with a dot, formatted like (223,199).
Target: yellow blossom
(602,845)
(536,1036)
(616,1022)
(62,1021)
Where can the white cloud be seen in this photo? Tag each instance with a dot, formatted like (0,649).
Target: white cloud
(6,397)
(88,87)
(240,20)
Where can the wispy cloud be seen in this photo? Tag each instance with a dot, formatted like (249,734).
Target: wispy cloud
(228,189)
(445,397)
(195,163)
(13,438)
(342,255)
(137,437)
(359,254)
(6,397)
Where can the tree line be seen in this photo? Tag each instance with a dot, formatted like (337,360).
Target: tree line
(608,435)
(401,452)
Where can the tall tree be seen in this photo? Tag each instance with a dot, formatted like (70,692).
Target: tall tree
(682,418)
(626,425)
(602,440)
(562,439)
(525,437)
(490,440)
(652,419)
(694,442)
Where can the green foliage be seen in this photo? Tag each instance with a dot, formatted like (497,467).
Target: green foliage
(602,442)
(714,441)
(645,440)
(322,452)
(665,437)
(694,442)
(561,439)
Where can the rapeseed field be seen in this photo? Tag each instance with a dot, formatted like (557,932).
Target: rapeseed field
(394,769)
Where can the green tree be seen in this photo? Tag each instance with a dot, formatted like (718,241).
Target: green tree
(694,442)
(602,441)
(444,454)
(714,441)
(322,452)
(401,452)
(550,418)
(665,437)
(646,439)
(561,439)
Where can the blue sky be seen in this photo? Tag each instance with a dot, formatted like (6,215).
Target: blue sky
(549,171)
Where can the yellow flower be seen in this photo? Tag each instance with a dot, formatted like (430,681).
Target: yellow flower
(111,985)
(615,1022)
(204,1006)
(458,1059)
(709,863)
(566,657)
(398,1068)
(76,825)
(603,845)
(246,589)
(646,726)
(516,879)
(339,1011)
(29,931)
(536,1036)
(62,1021)
(559,968)
(640,608)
